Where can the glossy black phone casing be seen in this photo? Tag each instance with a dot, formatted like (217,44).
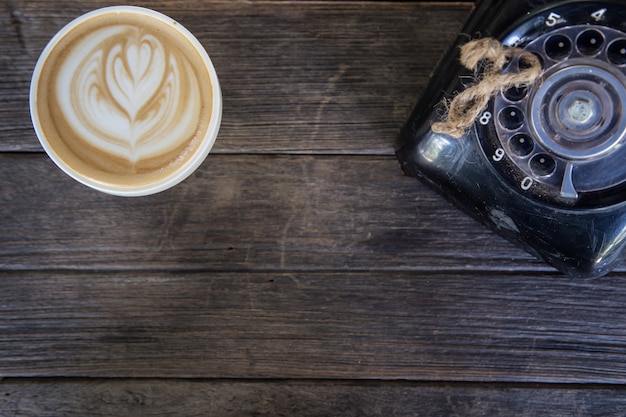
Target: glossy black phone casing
(581,237)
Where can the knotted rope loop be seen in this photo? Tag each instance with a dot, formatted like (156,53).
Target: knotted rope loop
(468,105)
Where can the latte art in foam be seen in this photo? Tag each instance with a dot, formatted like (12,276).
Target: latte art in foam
(121,92)
(126,100)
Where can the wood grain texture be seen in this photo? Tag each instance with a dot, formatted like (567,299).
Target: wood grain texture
(297,272)
(314,77)
(249,213)
(158,398)
(322,325)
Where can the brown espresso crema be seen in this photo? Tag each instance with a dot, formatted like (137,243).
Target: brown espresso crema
(124,98)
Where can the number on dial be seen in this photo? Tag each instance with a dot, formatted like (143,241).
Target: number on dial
(553,19)
(526,183)
(498,155)
(599,15)
(485,118)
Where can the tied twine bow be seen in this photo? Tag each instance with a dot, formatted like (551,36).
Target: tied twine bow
(468,105)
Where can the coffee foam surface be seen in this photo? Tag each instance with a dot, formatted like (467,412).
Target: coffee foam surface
(126,96)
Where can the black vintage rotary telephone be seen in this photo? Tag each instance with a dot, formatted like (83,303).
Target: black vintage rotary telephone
(544,166)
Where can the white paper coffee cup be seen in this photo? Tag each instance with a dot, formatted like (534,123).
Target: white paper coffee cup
(126,101)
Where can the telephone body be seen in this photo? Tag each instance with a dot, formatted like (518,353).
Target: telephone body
(543,166)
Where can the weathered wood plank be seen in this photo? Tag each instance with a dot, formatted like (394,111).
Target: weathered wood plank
(320,77)
(245,213)
(158,398)
(348,325)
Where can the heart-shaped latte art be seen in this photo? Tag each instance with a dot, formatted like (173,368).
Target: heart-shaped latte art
(133,75)
(126,95)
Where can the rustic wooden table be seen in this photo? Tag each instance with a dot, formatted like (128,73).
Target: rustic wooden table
(298,272)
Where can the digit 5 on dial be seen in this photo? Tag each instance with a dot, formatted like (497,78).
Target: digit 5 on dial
(544,166)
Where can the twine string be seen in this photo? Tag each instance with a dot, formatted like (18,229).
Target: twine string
(469,104)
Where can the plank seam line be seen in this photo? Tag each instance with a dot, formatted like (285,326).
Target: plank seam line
(527,385)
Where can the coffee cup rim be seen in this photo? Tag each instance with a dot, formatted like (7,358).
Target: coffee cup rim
(162,184)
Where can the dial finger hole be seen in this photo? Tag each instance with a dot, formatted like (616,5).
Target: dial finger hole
(511,118)
(617,52)
(558,47)
(516,93)
(542,165)
(521,145)
(525,62)
(590,42)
